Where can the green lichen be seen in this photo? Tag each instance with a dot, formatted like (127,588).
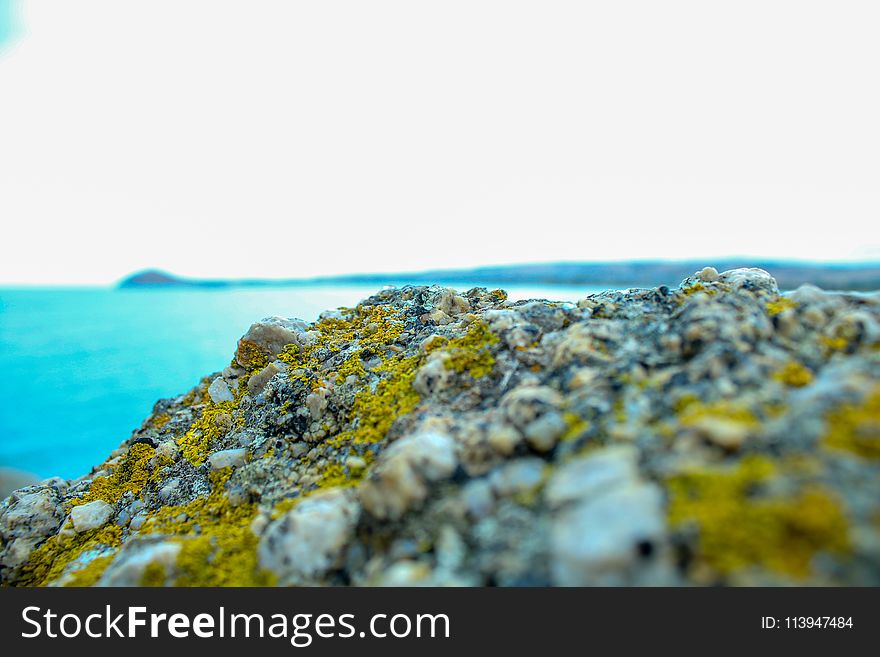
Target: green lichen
(855,428)
(739,525)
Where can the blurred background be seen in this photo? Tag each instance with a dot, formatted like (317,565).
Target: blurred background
(255,158)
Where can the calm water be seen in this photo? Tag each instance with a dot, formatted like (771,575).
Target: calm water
(81,368)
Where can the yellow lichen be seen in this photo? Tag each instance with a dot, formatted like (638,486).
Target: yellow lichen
(373,412)
(367,327)
(435,342)
(50,561)
(834,344)
(199,394)
(335,476)
(683,402)
(697,287)
(353,366)
(284,506)
(159,421)
(218,547)
(577,426)
(471,352)
(251,355)
(856,427)
(195,444)
(739,527)
(154,575)
(131,475)
(695,412)
(530,496)
(90,574)
(780,305)
(794,374)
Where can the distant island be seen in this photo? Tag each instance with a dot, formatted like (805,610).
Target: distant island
(789,275)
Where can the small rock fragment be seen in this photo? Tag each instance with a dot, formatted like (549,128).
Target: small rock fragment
(138,558)
(267,338)
(588,476)
(401,478)
(309,539)
(228,458)
(90,515)
(219,391)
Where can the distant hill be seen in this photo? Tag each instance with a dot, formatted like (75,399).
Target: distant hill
(789,275)
(151,277)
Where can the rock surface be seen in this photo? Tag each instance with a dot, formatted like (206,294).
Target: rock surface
(717,433)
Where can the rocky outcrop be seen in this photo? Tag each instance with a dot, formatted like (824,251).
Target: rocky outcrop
(717,433)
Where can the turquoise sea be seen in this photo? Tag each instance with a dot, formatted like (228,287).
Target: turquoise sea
(81,368)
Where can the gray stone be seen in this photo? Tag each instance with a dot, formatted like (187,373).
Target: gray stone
(228,458)
(127,569)
(219,391)
(270,336)
(596,542)
(90,515)
(588,476)
(310,538)
(401,478)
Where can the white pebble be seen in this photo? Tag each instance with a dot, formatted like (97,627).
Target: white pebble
(219,391)
(90,516)
(228,458)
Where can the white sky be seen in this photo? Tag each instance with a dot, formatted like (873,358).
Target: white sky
(281,139)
